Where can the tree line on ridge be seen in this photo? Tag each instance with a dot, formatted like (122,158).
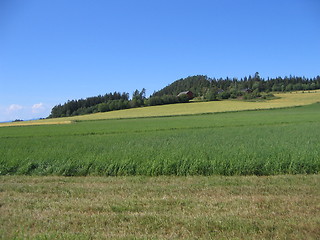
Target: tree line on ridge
(202,87)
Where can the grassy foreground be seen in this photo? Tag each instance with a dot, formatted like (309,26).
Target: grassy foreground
(274,207)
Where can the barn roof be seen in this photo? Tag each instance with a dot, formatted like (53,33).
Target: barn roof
(183,93)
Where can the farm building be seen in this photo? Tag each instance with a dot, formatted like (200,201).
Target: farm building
(188,93)
(246,90)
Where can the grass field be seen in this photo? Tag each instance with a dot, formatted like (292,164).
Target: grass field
(274,207)
(283,100)
(265,142)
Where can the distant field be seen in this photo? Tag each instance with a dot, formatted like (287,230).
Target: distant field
(35,122)
(284,100)
(216,207)
(265,142)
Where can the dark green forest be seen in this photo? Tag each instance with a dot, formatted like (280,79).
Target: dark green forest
(202,87)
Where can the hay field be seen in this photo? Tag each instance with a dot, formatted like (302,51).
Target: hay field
(283,100)
(275,207)
(36,122)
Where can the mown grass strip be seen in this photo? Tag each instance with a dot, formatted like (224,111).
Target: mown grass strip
(216,207)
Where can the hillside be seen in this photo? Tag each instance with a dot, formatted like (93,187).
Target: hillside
(196,84)
(202,87)
(282,100)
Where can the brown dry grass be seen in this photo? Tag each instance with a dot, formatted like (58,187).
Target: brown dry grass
(275,207)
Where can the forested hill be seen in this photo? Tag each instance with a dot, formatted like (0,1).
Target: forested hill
(202,87)
(196,84)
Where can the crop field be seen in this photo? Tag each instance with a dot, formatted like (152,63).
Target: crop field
(264,142)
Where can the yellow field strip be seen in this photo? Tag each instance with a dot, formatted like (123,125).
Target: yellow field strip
(35,122)
(284,100)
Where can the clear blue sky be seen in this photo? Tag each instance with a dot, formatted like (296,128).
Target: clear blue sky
(55,50)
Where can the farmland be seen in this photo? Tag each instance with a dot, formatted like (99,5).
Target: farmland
(223,175)
(282,100)
(265,142)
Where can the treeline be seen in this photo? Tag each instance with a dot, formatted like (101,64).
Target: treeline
(88,105)
(111,102)
(202,87)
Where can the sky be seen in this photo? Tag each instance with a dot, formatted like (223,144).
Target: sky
(53,51)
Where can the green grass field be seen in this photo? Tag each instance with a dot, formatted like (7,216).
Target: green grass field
(265,142)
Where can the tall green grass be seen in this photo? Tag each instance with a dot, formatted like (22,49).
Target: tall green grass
(265,142)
